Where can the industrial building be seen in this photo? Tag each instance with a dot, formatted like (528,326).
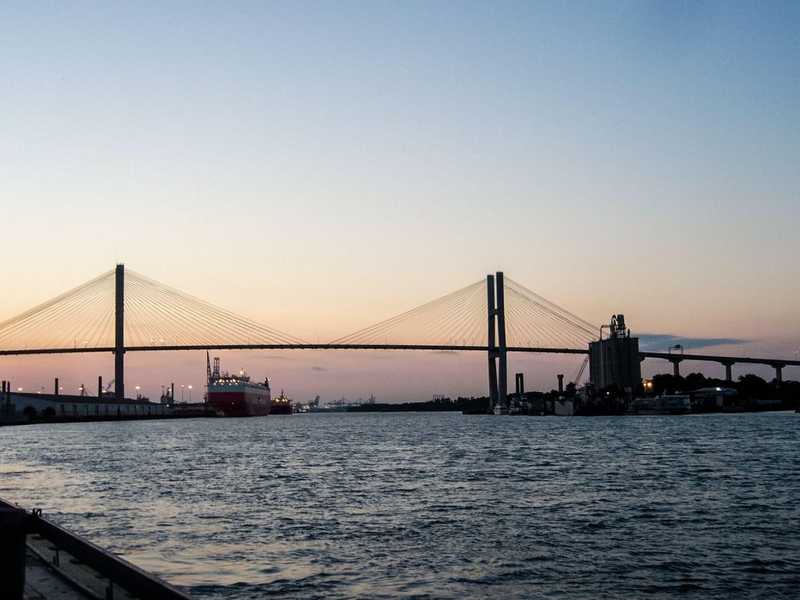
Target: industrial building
(615,361)
(25,406)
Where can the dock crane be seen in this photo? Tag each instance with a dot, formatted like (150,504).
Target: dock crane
(581,370)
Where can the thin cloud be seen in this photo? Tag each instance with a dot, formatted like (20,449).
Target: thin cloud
(663,341)
(269,357)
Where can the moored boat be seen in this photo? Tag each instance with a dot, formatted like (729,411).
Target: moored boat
(235,395)
(281,405)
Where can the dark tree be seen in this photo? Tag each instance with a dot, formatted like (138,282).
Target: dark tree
(695,381)
(666,383)
(753,387)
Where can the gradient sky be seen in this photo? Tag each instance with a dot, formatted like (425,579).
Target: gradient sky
(319,166)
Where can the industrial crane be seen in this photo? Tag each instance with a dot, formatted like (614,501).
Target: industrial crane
(581,370)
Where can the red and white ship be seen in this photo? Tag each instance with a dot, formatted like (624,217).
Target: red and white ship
(235,395)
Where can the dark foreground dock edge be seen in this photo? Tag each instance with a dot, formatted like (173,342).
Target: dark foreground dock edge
(40,560)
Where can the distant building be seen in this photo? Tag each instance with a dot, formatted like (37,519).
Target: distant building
(714,398)
(33,405)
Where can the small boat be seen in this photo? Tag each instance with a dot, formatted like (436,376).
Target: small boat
(281,405)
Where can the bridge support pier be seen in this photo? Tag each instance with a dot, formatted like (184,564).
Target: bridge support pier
(728,371)
(676,366)
(519,384)
(779,374)
(119,333)
(495,302)
(491,343)
(502,387)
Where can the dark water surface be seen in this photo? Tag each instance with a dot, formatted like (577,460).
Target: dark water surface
(430,505)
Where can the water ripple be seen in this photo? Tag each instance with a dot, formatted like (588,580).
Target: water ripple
(430,505)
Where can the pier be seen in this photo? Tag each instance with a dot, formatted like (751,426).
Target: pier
(20,408)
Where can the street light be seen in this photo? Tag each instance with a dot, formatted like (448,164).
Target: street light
(190,393)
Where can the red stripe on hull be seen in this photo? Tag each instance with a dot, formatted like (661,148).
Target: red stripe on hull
(237,404)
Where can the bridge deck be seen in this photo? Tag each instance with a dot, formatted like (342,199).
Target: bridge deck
(773,362)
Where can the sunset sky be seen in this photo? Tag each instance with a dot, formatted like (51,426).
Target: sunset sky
(321,166)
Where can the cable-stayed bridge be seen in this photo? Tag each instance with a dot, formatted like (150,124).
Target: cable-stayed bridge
(123,311)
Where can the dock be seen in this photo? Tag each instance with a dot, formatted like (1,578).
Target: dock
(22,408)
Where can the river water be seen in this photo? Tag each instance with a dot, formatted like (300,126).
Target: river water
(430,504)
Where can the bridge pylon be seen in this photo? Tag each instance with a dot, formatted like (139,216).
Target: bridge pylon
(497,349)
(119,333)
(491,342)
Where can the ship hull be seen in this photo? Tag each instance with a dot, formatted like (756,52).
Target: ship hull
(239,404)
(281,409)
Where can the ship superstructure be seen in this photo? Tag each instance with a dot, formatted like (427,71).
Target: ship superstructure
(282,405)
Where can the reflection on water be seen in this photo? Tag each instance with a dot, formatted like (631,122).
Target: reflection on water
(437,505)
(20,481)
